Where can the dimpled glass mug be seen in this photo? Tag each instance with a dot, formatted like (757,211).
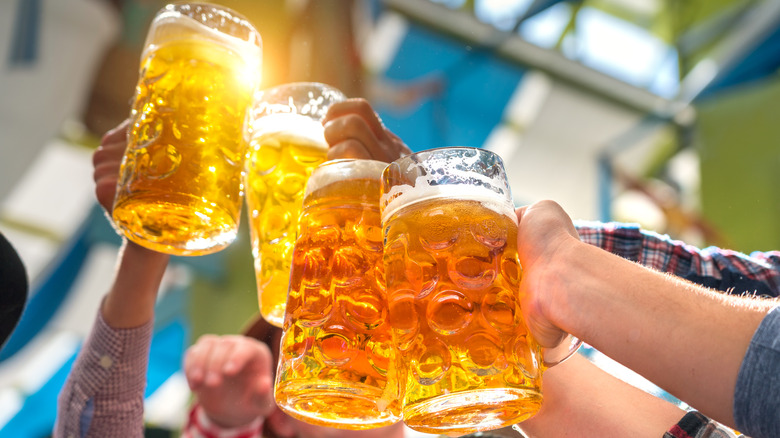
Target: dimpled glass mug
(180,188)
(337,365)
(287,143)
(453,275)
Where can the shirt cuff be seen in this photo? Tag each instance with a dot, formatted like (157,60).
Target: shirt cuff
(201,426)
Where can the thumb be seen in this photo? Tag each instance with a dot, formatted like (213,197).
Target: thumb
(520,211)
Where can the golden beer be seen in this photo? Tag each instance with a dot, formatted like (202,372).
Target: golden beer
(280,163)
(180,186)
(287,143)
(453,277)
(337,366)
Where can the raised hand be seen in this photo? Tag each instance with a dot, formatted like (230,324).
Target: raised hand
(354,130)
(106,161)
(231,377)
(544,229)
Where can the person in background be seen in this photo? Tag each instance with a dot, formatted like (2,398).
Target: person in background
(13,289)
(231,375)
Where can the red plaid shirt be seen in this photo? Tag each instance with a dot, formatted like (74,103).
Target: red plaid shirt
(729,271)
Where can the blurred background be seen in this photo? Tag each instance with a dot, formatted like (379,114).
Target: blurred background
(660,112)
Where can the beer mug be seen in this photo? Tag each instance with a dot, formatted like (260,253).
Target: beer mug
(287,143)
(337,365)
(453,278)
(180,185)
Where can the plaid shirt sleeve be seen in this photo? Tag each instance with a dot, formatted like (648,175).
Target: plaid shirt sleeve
(200,426)
(696,425)
(729,271)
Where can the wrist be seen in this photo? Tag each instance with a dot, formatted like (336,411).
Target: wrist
(131,300)
(226,424)
(132,249)
(567,274)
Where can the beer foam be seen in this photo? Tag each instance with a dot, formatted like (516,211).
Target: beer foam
(459,173)
(404,195)
(292,125)
(333,171)
(172,26)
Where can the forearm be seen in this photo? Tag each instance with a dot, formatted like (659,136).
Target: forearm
(686,339)
(131,299)
(580,396)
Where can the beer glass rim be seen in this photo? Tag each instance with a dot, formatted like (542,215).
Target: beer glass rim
(452,148)
(348,168)
(180,8)
(496,191)
(286,88)
(301,84)
(281,99)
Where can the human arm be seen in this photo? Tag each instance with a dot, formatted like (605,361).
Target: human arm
(726,270)
(232,380)
(132,297)
(354,130)
(687,339)
(103,395)
(579,396)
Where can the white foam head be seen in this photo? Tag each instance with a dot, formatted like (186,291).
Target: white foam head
(292,125)
(446,173)
(173,24)
(333,171)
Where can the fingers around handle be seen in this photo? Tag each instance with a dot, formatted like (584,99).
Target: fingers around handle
(555,355)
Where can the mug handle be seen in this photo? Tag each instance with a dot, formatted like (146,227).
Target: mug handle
(561,352)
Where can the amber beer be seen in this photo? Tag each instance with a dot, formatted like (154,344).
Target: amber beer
(453,277)
(287,143)
(180,186)
(337,367)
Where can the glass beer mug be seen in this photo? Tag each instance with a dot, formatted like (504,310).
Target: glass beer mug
(180,184)
(453,277)
(287,143)
(337,365)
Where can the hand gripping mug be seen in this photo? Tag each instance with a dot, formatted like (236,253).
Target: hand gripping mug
(337,365)
(453,275)
(180,184)
(287,143)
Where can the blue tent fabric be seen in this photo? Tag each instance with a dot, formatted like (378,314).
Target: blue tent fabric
(39,411)
(761,62)
(46,298)
(167,353)
(478,86)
